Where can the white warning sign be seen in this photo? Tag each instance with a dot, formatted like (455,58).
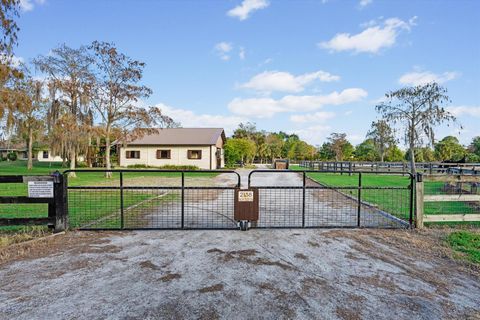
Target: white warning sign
(40,189)
(245,196)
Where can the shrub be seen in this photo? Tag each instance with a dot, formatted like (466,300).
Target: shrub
(12,156)
(165,167)
(81,164)
(137,166)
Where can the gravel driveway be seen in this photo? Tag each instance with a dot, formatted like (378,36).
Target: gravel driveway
(259,274)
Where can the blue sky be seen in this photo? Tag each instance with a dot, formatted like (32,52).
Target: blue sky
(309,67)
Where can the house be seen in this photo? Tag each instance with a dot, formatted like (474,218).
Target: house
(201,147)
(47,156)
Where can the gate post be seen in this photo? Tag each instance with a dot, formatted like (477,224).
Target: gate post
(359,194)
(183,200)
(303,200)
(60,202)
(419,204)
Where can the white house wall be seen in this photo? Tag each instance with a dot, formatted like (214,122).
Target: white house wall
(50,158)
(178,156)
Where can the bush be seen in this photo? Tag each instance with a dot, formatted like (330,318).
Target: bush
(81,164)
(165,167)
(12,156)
(137,166)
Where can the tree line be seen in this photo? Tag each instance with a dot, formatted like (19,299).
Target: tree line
(248,145)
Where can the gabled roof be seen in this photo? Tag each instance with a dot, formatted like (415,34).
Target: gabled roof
(182,136)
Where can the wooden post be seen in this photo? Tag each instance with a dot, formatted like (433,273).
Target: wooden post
(60,202)
(419,194)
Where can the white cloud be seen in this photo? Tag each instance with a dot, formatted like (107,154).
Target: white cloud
(422,77)
(458,111)
(241,53)
(315,135)
(268,107)
(189,118)
(269,81)
(320,116)
(29,5)
(223,49)
(243,10)
(364,3)
(372,39)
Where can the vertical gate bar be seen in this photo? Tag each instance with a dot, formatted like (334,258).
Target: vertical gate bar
(412,192)
(121,201)
(183,200)
(303,201)
(359,209)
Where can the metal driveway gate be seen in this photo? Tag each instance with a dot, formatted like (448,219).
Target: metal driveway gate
(206,199)
(152,199)
(292,199)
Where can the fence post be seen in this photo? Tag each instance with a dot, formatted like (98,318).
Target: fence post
(183,200)
(122,221)
(60,206)
(419,204)
(303,201)
(359,194)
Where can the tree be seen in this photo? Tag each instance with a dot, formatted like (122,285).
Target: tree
(382,135)
(8,25)
(274,143)
(340,146)
(366,151)
(475,146)
(30,113)
(70,80)
(245,131)
(115,95)
(239,150)
(325,152)
(394,154)
(449,148)
(418,110)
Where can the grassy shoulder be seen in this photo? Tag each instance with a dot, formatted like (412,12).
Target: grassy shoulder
(466,244)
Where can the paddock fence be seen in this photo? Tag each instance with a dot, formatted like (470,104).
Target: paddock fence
(402,167)
(447,198)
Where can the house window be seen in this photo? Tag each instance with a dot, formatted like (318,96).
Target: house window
(163,154)
(132,154)
(45,155)
(194,154)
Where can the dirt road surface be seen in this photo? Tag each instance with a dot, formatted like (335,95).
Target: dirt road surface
(258,274)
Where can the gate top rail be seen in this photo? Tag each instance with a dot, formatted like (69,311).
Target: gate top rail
(304,172)
(24,179)
(153,171)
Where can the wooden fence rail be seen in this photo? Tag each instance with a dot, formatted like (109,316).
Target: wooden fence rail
(421,198)
(54,194)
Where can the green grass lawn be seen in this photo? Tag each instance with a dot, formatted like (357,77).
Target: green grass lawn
(84,205)
(467,244)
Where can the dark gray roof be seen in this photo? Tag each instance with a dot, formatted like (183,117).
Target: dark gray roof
(182,136)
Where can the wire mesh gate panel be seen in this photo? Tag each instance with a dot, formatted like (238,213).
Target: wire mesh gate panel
(152,199)
(308,199)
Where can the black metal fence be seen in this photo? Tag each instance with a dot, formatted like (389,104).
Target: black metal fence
(152,199)
(309,199)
